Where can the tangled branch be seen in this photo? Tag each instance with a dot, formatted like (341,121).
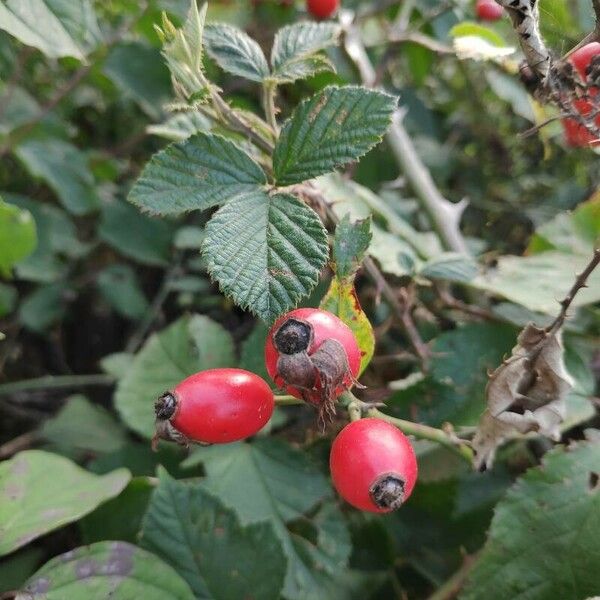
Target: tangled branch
(556,81)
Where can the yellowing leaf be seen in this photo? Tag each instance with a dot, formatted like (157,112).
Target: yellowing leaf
(341,300)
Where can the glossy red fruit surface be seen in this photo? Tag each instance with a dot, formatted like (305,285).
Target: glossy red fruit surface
(322,9)
(575,134)
(488,10)
(221,405)
(373,465)
(582,58)
(326,326)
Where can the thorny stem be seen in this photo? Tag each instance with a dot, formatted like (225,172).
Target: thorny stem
(422,432)
(471,309)
(580,282)
(443,214)
(525,21)
(55,382)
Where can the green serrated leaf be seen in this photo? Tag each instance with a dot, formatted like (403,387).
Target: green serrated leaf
(252,351)
(119,518)
(553,273)
(265,251)
(56,27)
(334,127)
(469,29)
(204,541)
(350,244)
(347,196)
(57,242)
(183,49)
(117,364)
(450,266)
(124,64)
(200,172)
(83,426)
(189,345)
(8,299)
(17,236)
(270,480)
(235,51)
(18,107)
(341,300)
(303,68)
(552,512)
(44,306)
(119,286)
(573,232)
(181,126)
(106,570)
(69,492)
(294,53)
(143,238)
(65,169)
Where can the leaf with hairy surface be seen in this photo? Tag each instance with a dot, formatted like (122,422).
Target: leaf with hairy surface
(200,172)
(235,51)
(265,251)
(544,541)
(296,47)
(332,128)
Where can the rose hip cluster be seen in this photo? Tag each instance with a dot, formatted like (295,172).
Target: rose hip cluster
(314,356)
(586,63)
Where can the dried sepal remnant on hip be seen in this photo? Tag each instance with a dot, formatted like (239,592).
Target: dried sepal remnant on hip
(318,373)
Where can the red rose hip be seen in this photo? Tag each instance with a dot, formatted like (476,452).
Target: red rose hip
(313,355)
(322,9)
(488,10)
(373,465)
(575,133)
(216,406)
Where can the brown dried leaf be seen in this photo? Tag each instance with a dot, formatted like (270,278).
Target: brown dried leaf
(525,393)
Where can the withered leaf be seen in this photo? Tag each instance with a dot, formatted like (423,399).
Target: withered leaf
(525,393)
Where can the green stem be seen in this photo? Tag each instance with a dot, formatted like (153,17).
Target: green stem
(422,432)
(425,432)
(235,122)
(55,382)
(269,105)
(287,400)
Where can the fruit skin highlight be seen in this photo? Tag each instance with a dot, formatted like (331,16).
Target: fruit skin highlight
(322,9)
(373,465)
(216,406)
(577,135)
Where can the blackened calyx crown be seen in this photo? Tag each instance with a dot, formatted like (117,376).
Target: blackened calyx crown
(388,491)
(293,336)
(165,406)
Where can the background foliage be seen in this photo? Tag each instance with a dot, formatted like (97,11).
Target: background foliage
(103,306)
